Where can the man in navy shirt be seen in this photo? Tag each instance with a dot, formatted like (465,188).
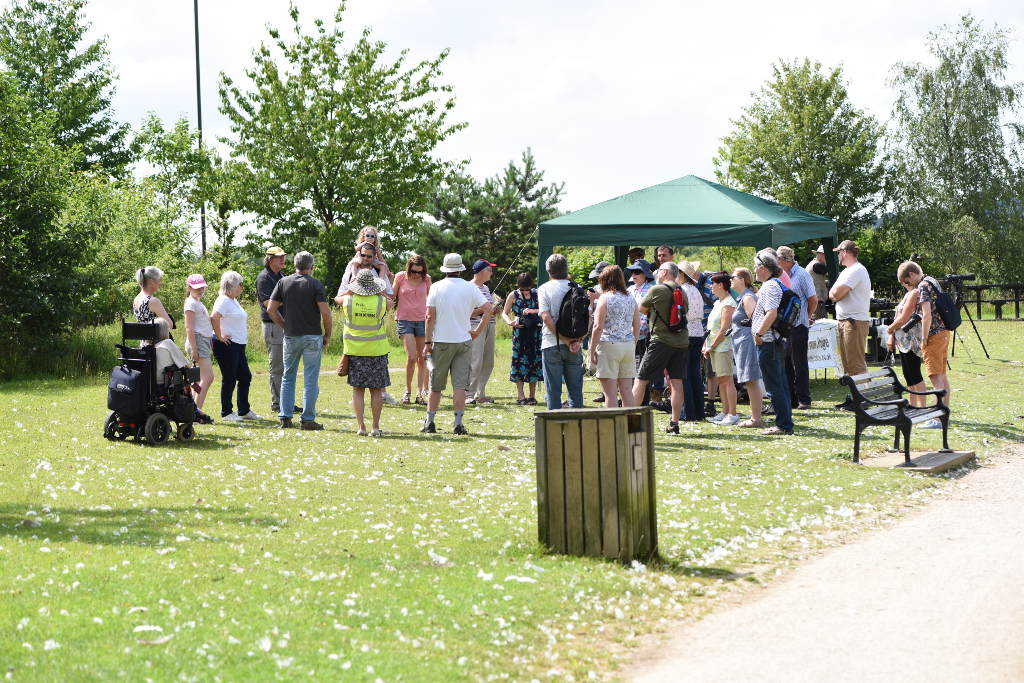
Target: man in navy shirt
(797,372)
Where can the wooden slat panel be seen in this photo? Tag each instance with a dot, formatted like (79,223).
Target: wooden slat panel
(573,488)
(540,434)
(556,485)
(609,488)
(590,457)
(638,475)
(652,504)
(624,493)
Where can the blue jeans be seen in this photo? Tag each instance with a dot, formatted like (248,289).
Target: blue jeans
(309,348)
(561,364)
(771,356)
(693,385)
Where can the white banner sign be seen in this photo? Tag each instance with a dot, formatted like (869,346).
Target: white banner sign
(823,346)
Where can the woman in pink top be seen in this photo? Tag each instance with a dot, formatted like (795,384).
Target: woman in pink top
(411,287)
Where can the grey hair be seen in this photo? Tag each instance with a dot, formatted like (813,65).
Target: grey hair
(672,268)
(303,261)
(786,254)
(229,280)
(769,259)
(557,266)
(163,330)
(148,273)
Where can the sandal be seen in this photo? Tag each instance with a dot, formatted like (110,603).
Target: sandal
(531,401)
(376,433)
(776,431)
(361,432)
(751,422)
(406,398)
(523,401)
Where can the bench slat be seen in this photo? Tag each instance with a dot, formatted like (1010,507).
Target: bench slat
(921,417)
(868,375)
(881,394)
(878,386)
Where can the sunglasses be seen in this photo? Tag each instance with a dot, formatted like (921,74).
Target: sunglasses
(417,272)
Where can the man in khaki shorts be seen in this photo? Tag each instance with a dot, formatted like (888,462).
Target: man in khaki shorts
(852,294)
(451,303)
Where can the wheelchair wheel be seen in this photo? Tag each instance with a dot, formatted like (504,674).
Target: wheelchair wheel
(186,432)
(110,427)
(158,429)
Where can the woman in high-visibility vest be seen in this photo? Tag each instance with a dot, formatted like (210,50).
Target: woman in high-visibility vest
(363,310)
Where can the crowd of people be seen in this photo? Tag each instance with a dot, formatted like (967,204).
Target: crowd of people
(664,334)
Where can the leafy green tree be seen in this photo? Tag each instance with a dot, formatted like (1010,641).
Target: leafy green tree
(126,228)
(184,172)
(39,256)
(803,143)
(495,219)
(43,43)
(330,137)
(958,155)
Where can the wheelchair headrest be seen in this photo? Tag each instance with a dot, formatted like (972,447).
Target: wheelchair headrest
(140,331)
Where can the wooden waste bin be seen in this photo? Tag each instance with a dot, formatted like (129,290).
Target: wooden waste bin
(595,482)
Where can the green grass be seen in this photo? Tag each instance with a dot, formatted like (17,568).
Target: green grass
(253,554)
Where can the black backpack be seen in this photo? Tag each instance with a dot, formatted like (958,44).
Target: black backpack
(574,313)
(945,306)
(789,311)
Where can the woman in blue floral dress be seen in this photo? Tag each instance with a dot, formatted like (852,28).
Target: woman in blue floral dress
(522,313)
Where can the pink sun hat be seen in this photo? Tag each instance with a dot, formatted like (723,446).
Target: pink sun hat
(196,281)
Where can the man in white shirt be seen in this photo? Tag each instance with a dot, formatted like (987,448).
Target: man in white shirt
(852,295)
(451,303)
(561,358)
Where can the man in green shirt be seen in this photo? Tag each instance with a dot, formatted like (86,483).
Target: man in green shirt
(667,350)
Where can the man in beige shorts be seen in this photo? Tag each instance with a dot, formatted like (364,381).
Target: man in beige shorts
(451,303)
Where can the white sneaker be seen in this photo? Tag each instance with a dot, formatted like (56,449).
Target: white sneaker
(233,417)
(730,420)
(251,415)
(389,399)
(717,418)
(932,424)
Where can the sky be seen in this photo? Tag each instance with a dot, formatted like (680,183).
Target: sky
(611,96)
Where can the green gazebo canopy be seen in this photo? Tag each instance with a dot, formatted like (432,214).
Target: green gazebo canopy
(688,211)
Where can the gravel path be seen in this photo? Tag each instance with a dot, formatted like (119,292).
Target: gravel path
(937,597)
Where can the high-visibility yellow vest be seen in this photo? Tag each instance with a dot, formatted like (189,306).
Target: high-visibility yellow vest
(364,326)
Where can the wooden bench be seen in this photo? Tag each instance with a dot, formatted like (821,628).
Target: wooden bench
(877,398)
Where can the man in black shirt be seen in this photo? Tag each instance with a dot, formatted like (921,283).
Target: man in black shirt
(273,335)
(306,301)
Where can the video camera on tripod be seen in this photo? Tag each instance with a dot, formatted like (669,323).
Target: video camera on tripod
(956,282)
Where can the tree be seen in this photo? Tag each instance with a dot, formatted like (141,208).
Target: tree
(185,172)
(495,219)
(39,256)
(42,43)
(803,143)
(957,151)
(329,139)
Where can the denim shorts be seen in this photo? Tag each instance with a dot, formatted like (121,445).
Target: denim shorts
(417,328)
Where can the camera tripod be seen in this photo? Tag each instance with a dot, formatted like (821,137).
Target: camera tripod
(956,286)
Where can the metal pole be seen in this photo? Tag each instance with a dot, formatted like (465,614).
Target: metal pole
(199,112)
